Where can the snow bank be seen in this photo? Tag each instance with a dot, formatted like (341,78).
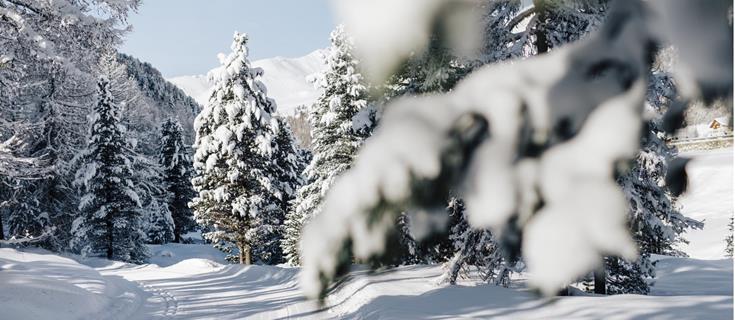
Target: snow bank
(684,276)
(40,285)
(174,253)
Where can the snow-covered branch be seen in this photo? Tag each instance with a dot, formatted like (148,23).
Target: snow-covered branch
(28,239)
(532,146)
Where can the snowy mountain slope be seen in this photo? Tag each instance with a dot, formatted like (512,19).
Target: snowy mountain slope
(284,77)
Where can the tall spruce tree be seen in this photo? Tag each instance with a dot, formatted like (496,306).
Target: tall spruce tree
(654,219)
(234,175)
(340,120)
(176,164)
(110,223)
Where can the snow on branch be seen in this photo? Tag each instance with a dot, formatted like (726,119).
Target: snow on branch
(28,239)
(533,147)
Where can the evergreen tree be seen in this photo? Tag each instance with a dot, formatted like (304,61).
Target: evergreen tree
(148,179)
(25,217)
(110,223)
(176,163)
(234,144)
(475,248)
(289,163)
(160,224)
(340,121)
(654,220)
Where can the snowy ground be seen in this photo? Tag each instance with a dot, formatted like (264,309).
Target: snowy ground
(193,282)
(709,199)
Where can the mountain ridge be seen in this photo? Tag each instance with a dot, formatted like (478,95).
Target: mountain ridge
(285,79)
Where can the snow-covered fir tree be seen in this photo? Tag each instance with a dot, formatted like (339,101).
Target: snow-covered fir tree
(25,217)
(289,162)
(110,223)
(234,175)
(160,225)
(340,120)
(476,249)
(176,163)
(654,219)
(136,114)
(150,185)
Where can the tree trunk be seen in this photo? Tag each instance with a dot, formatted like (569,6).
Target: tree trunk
(109,238)
(600,276)
(244,254)
(542,45)
(2,228)
(177,234)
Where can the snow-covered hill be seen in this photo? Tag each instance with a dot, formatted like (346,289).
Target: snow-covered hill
(284,77)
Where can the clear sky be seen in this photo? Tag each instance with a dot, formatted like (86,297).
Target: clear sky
(183,37)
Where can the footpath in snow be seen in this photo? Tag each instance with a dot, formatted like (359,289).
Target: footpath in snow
(194,282)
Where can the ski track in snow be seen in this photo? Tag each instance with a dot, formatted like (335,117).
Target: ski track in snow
(170,302)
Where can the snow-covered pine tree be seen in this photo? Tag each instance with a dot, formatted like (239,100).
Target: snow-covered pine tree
(136,112)
(474,248)
(340,122)
(289,162)
(654,220)
(233,149)
(160,225)
(150,185)
(110,223)
(49,80)
(176,163)
(25,217)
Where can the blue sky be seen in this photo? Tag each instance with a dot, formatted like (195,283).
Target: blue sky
(183,37)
